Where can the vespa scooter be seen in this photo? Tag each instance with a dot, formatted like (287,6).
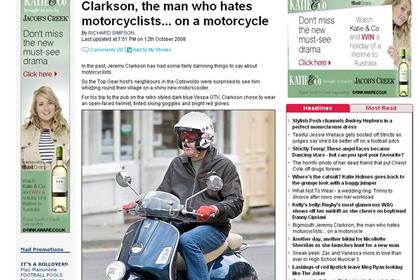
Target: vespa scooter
(149,247)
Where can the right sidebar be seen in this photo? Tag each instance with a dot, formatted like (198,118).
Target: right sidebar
(349,191)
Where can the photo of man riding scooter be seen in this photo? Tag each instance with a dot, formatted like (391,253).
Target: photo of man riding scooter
(195,135)
(178,195)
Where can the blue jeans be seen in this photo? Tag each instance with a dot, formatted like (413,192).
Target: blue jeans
(194,244)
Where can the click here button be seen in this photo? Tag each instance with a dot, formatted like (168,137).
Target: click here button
(40,74)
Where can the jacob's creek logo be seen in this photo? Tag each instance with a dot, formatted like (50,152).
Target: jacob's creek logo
(45,18)
(307,5)
(377,80)
(45,3)
(304,80)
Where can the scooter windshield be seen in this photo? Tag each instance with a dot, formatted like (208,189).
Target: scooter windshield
(159,204)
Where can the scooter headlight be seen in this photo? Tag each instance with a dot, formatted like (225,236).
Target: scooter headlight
(115,270)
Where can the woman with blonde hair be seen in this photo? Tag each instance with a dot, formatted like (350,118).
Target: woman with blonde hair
(401,21)
(43,131)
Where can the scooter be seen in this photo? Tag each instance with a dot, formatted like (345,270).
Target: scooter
(149,246)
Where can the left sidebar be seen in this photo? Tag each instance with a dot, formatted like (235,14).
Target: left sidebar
(45,238)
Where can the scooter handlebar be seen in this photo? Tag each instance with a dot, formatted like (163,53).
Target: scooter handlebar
(193,213)
(132,211)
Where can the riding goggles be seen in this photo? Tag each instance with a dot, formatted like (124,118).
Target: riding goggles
(189,136)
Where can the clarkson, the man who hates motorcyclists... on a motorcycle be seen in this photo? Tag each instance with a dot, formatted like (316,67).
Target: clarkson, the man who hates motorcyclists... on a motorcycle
(185,176)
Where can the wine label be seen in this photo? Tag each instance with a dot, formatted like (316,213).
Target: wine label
(403,76)
(59,184)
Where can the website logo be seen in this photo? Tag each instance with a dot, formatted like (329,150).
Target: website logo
(305,80)
(45,3)
(307,5)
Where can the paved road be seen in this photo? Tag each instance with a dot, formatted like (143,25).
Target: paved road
(260,254)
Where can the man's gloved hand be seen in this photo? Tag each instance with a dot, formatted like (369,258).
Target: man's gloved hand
(205,212)
(130,205)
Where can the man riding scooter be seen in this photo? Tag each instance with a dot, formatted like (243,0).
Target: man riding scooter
(185,176)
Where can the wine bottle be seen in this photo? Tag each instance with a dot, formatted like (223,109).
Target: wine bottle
(59,183)
(403,74)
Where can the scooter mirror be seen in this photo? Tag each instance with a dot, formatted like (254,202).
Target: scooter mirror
(214,183)
(123,179)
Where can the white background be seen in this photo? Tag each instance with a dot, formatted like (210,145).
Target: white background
(10,124)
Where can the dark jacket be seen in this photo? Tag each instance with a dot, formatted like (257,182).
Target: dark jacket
(179,180)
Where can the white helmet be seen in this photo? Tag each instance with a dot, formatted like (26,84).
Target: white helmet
(200,123)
